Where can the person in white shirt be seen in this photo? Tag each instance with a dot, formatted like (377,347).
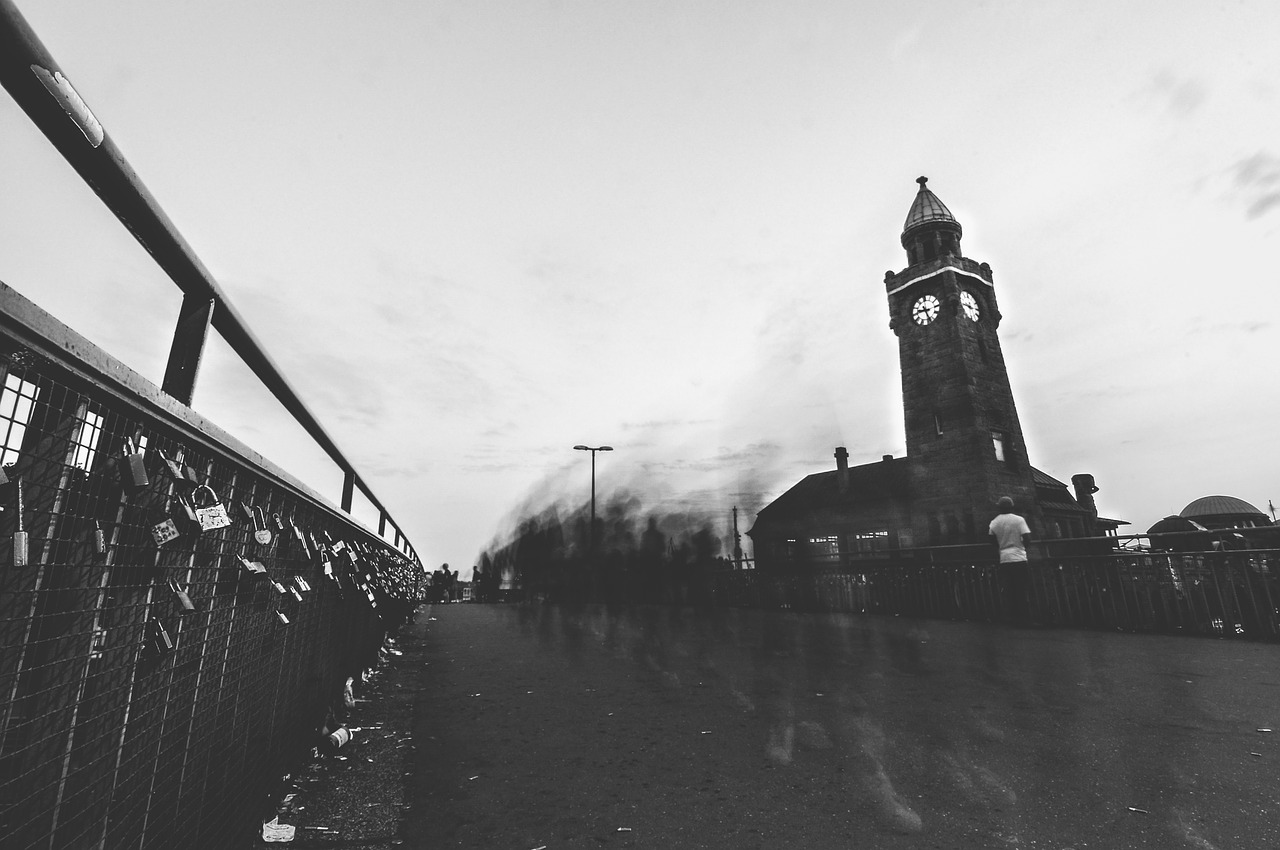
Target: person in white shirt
(1012,534)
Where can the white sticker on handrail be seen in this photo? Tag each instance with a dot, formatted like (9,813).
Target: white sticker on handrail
(60,87)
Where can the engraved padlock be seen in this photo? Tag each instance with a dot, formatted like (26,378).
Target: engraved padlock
(246,512)
(176,475)
(261,533)
(210,512)
(182,599)
(133,467)
(164,531)
(20,541)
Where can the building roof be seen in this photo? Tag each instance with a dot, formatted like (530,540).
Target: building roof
(870,483)
(926,209)
(1219,506)
(1053,494)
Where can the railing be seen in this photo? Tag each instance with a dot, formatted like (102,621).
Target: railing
(37,84)
(153,689)
(1220,592)
(177,614)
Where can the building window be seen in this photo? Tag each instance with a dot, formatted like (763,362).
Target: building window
(997,440)
(86,442)
(16,402)
(868,544)
(824,547)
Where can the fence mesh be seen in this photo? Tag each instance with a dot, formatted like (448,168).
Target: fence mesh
(155,689)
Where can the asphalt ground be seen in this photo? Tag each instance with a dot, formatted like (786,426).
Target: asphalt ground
(515,727)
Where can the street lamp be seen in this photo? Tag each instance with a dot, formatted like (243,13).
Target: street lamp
(592,543)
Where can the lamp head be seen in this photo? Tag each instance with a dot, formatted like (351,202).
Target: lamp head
(582,448)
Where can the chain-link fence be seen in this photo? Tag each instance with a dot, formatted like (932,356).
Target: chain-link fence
(176,616)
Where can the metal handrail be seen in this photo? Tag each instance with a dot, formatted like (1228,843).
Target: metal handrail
(36,83)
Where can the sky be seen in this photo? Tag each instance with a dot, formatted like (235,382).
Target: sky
(475,234)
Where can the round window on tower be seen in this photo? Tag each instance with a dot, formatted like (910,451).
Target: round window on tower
(925,309)
(970,305)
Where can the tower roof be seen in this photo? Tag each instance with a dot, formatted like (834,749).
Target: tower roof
(927,209)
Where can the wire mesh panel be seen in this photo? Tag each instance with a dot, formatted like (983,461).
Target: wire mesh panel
(175,620)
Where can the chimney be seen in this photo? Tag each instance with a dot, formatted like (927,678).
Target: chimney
(1085,488)
(842,469)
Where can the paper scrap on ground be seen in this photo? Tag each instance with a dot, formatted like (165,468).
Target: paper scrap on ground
(274,831)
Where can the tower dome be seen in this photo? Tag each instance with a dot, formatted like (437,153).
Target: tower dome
(930,230)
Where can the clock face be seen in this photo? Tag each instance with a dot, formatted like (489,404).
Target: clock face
(970,305)
(925,310)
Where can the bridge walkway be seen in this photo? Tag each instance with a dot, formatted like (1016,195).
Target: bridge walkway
(557,727)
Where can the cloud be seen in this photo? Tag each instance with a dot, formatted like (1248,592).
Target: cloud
(654,424)
(1257,179)
(1180,95)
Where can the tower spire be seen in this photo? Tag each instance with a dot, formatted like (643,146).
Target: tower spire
(930,230)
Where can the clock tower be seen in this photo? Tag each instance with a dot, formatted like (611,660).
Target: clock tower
(964,441)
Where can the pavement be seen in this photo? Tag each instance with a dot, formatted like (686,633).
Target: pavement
(518,727)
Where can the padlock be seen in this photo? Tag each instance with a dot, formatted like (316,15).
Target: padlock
(282,617)
(261,533)
(158,639)
(164,531)
(20,542)
(246,512)
(302,539)
(251,569)
(295,592)
(182,599)
(210,512)
(184,514)
(279,523)
(176,474)
(302,583)
(99,538)
(188,474)
(133,467)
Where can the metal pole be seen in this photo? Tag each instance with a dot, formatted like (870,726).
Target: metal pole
(592,546)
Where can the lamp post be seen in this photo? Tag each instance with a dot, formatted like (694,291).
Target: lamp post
(592,540)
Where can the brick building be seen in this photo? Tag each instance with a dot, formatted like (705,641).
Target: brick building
(964,441)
